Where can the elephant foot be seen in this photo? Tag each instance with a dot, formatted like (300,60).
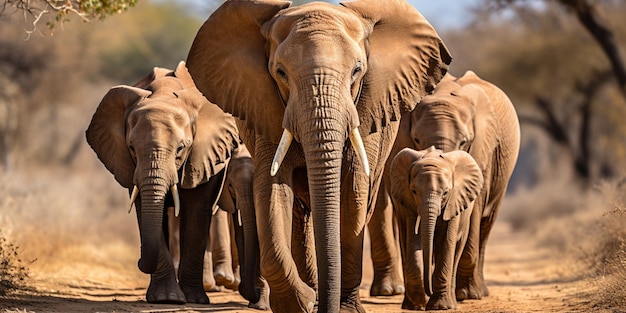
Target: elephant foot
(209,284)
(195,294)
(441,302)
(264,299)
(386,285)
(224,276)
(351,304)
(408,304)
(470,288)
(300,299)
(164,290)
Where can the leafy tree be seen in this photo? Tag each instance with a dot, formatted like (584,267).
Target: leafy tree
(36,10)
(558,77)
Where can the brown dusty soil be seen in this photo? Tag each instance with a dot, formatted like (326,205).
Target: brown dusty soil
(521,278)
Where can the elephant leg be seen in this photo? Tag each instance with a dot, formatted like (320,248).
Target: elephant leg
(163,287)
(195,221)
(236,269)
(273,207)
(221,250)
(303,245)
(353,220)
(208,281)
(415,295)
(443,297)
(467,280)
(387,281)
(173,225)
(486,225)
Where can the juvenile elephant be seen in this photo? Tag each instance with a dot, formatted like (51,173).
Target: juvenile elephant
(433,192)
(470,114)
(321,74)
(154,137)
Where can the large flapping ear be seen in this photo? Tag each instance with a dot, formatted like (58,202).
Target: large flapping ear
(467,183)
(485,120)
(106,133)
(228,63)
(406,59)
(215,139)
(400,176)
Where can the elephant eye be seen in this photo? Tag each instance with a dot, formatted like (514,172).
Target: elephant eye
(282,74)
(132,148)
(179,150)
(417,141)
(357,69)
(445,193)
(463,142)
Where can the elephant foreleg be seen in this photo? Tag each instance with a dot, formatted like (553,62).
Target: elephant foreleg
(445,245)
(195,221)
(221,250)
(387,281)
(273,206)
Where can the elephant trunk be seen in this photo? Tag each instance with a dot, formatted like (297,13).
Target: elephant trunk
(324,151)
(154,184)
(427,224)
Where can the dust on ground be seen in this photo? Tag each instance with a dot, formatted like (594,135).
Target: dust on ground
(521,277)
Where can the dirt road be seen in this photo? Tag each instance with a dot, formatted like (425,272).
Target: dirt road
(521,277)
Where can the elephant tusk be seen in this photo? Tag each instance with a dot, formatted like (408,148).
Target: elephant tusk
(281,151)
(417,225)
(357,144)
(176,200)
(133,196)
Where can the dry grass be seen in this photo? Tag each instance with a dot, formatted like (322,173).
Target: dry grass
(587,226)
(13,271)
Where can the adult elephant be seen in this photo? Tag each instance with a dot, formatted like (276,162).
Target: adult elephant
(433,194)
(156,136)
(320,74)
(470,114)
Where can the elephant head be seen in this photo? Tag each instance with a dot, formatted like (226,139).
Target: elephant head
(458,115)
(156,135)
(320,74)
(429,184)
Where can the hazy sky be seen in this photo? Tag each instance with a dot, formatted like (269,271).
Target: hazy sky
(445,13)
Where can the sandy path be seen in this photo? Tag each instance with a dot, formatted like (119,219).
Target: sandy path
(521,279)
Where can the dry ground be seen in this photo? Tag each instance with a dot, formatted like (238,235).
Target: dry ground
(81,249)
(521,277)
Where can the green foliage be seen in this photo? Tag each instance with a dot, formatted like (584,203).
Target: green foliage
(36,11)
(12,271)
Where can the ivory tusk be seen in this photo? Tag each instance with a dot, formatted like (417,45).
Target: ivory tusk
(281,151)
(357,144)
(417,225)
(176,197)
(133,196)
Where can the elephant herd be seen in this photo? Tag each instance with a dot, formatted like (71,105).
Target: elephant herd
(307,124)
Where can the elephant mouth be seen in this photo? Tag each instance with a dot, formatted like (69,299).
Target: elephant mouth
(287,138)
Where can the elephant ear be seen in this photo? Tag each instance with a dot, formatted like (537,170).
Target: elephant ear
(182,73)
(406,60)
(467,183)
(400,176)
(157,72)
(106,133)
(485,122)
(215,138)
(228,63)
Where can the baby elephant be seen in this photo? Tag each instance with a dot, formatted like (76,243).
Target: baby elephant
(433,194)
